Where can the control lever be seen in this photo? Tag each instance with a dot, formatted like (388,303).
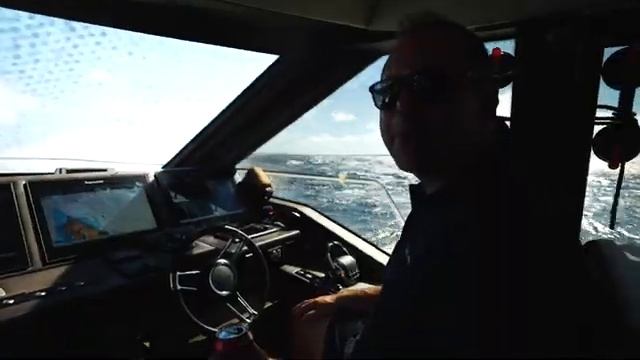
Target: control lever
(344,267)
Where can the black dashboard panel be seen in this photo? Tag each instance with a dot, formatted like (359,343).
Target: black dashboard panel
(73,216)
(66,236)
(194,197)
(13,250)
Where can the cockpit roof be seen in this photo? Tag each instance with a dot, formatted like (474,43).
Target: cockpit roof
(383,15)
(280,26)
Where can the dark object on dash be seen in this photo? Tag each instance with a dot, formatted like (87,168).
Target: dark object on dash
(255,188)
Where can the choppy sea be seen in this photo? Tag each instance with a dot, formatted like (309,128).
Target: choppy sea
(376,209)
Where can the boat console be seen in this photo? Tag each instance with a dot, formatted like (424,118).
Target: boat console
(74,235)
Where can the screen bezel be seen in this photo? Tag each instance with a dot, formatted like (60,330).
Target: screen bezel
(167,177)
(21,260)
(36,190)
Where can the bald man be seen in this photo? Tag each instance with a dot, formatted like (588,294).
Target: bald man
(452,286)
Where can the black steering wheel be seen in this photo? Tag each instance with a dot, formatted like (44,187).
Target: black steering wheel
(219,279)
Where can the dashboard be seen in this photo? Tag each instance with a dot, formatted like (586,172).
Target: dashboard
(67,234)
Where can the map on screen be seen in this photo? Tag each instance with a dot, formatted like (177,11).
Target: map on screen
(102,212)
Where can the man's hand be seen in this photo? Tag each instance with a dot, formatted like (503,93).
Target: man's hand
(357,298)
(311,317)
(316,308)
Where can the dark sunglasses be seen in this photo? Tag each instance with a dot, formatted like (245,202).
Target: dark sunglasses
(433,87)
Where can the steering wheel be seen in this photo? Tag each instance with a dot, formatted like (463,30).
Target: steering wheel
(219,279)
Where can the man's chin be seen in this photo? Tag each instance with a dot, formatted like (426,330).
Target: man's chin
(419,169)
(406,156)
(406,164)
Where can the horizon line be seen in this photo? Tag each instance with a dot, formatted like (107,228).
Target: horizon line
(315,154)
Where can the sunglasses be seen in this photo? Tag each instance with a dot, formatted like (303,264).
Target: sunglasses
(432,86)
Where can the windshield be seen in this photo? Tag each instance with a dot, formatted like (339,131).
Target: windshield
(341,135)
(601,186)
(81,95)
(340,139)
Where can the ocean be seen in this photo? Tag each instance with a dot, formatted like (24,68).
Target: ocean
(376,209)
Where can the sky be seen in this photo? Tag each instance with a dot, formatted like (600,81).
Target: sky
(80,91)
(70,90)
(346,122)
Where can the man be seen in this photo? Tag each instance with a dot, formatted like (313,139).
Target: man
(453,285)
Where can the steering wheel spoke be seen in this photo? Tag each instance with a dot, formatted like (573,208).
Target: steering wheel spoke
(239,314)
(231,250)
(220,278)
(246,305)
(178,275)
(244,311)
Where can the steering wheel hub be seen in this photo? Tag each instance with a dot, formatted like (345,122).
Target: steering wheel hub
(222,278)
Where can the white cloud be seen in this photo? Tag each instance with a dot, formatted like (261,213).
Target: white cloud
(99,75)
(372,126)
(113,131)
(13,104)
(122,104)
(341,116)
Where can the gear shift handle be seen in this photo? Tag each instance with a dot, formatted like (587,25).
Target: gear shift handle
(344,267)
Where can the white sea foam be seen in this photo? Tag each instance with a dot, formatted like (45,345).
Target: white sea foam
(367,211)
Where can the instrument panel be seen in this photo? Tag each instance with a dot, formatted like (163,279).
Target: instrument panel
(71,216)
(51,219)
(64,235)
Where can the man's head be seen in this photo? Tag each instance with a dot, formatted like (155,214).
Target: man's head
(439,109)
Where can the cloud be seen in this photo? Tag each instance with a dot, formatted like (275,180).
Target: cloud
(109,128)
(341,116)
(372,126)
(118,103)
(99,75)
(13,104)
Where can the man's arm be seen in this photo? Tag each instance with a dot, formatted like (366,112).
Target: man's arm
(360,297)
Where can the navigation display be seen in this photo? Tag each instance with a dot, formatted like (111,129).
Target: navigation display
(195,197)
(87,210)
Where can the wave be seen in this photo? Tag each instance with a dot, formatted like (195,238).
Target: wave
(368,211)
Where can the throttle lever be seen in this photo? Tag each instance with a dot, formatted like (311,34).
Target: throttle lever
(344,267)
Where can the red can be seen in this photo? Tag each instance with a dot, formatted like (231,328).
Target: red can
(235,341)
